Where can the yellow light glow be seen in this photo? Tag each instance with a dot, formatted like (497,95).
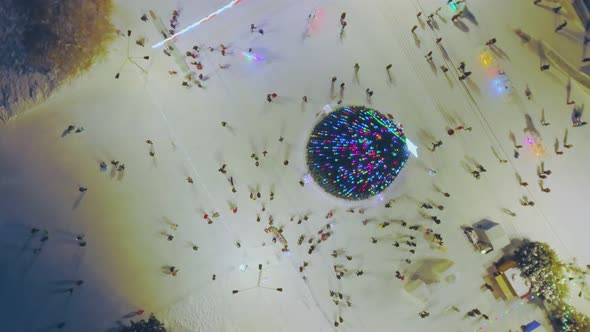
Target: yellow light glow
(486,59)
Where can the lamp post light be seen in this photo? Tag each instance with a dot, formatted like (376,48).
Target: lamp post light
(129,58)
(236,291)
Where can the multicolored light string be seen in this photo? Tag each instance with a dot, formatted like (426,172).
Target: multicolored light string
(355,152)
(196,24)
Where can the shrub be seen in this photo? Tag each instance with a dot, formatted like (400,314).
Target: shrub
(151,325)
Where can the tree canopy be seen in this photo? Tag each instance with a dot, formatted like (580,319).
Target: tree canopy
(568,319)
(540,264)
(45,43)
(151,325)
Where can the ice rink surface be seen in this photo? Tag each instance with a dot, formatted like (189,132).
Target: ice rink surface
(124,214)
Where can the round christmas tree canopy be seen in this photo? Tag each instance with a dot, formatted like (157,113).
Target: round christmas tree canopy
(356,152)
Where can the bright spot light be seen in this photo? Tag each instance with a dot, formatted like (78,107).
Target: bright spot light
(196,24)
(252,56)
(412,147)
(486,59)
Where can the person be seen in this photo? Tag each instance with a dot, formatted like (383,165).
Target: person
(527,93)
(561,26)
(252,27)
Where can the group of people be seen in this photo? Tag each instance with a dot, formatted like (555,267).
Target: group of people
(340,267)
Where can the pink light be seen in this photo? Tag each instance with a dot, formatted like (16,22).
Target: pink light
(315,19)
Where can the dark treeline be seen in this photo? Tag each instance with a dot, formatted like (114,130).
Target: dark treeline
(45,42)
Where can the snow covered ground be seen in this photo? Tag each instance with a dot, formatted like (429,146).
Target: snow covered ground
(123,214)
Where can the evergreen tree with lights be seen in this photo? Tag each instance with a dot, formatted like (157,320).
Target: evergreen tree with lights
(567,319)
(151,325)
(540,265)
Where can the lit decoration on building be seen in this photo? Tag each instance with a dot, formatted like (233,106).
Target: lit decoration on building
(356,152)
